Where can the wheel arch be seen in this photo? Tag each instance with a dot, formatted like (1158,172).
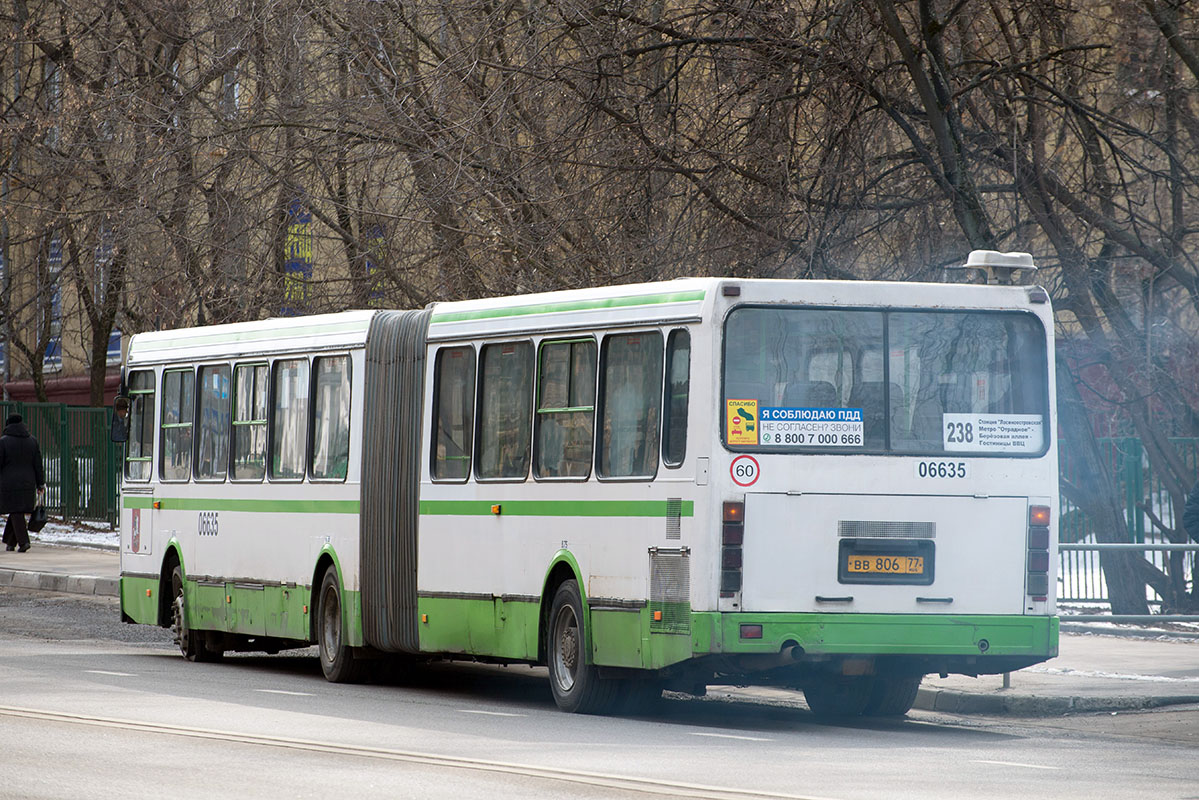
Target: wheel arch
(562,568)
(326,560)
(173,558)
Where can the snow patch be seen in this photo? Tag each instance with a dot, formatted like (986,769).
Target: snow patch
(78,534)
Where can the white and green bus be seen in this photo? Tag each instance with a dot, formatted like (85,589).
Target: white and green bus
(834,486)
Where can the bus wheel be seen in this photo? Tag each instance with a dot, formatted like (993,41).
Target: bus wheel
(576,685)
(640,697)
(831,696)
(191,643)
(337,658)
(893,695)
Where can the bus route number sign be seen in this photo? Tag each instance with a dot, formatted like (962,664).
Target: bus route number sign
(745,470)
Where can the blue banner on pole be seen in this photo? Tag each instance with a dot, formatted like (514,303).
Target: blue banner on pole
(297,260)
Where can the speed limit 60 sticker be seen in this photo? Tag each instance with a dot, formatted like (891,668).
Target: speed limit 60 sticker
(745,470)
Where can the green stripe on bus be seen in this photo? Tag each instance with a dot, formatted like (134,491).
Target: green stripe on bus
(554,508)
(571,305)
(252,506)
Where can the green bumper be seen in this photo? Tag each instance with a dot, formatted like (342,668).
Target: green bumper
(1035,637)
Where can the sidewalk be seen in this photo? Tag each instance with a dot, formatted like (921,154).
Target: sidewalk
(1095,671)
(79,570)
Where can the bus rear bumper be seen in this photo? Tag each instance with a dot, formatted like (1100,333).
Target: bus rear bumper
(970,644)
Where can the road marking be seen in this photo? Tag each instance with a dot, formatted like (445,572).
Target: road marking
(284,691)
(1014,764)
(489,713)
(106,672)
(626,783)
(731,736)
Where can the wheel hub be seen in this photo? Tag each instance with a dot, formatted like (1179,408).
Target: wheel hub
(177,631)
(570,648)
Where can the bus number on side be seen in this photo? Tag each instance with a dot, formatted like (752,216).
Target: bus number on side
(940,469)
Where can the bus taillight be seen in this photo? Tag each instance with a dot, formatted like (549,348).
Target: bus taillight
(1038,552)
(732,534)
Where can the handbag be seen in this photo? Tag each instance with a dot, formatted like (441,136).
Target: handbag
(37,520)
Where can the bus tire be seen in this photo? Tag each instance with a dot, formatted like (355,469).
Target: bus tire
(640,697)
(832,696)
(337,658)
(892,695)
(576,685)
(192,644)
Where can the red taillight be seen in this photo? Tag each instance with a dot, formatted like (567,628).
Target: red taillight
(751,631)
(732,535)
(1037,579)
(1038,538)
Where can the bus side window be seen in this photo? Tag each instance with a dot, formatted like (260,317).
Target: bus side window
(631,399)
(453,412)
(331,418)
(212,443)
(565,409)
(678,390)
(289,419)
(140,453)
(505,410)
(249,421)
(178,407)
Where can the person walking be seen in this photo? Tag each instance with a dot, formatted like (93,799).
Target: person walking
(1190,513)
(22,480)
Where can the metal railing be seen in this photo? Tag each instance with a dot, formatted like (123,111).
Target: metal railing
(1092,577)
(1079,570)
(81,463)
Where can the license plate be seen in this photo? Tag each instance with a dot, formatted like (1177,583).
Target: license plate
(866,560)
(886,565)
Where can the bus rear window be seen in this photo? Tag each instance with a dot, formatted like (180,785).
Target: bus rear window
(918,382)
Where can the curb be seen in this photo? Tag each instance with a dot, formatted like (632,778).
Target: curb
(1031,705)
(949,701)
(55,582)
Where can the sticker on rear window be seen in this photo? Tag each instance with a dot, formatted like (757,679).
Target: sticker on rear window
(742,421)
(992,433)
(812,427)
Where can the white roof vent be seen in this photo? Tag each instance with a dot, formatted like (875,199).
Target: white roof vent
(996,267)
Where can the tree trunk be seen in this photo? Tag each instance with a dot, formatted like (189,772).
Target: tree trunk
(1095,492)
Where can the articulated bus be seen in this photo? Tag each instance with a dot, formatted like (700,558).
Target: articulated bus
(833,486)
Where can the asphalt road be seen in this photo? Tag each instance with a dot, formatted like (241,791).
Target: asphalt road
(91,707)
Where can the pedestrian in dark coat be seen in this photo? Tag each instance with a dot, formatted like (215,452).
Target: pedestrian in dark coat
(1190,514)
(22,480)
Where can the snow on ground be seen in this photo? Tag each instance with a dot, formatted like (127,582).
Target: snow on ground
(1087,673)
(79,534)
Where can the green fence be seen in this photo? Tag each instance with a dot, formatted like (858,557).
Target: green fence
(1080,576)
(81,463)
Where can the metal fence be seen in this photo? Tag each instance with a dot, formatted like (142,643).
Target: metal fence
(1080,578)
(81,463)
